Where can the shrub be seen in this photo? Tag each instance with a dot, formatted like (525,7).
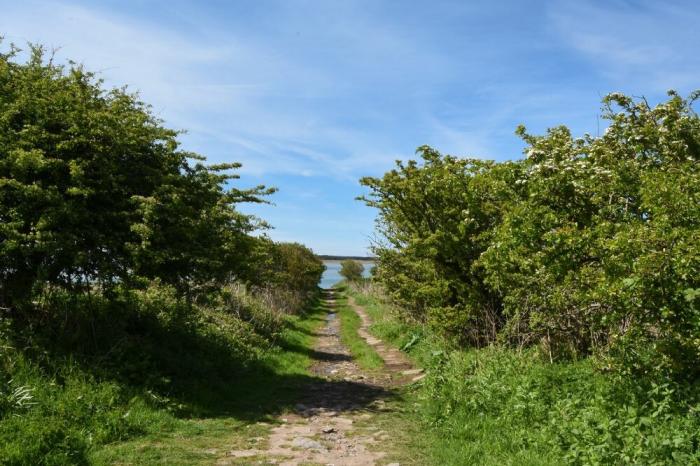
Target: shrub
(285,275)
(437,219)
(97,193)
(351,270)
(130,285)
(602,254)
(589,245)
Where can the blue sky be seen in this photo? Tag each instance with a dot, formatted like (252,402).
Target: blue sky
(312,95)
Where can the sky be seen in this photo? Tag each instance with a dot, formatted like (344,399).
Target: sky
(312,95)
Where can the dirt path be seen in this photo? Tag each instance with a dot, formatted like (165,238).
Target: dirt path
(397,367)
(333,422)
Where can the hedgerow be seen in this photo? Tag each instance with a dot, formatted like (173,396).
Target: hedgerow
(132,289)
(588,245)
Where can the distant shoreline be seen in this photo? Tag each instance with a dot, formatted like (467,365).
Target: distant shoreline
(340,258)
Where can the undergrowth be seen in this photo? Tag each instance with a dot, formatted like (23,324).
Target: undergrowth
(138,367)
(500,406)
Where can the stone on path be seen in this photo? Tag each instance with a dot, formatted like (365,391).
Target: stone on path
(322,427)
(307,444)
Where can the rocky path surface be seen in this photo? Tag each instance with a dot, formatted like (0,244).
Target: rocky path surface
(332,423)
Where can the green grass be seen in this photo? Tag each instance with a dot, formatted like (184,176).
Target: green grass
(350,322)
(161,395)
(450,435)
(414,339)
(496,406)
(262,394)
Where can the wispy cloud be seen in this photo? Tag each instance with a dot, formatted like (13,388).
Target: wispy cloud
(634,43)
(285,104)
(310,95)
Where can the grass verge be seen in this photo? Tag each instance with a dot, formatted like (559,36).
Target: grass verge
(264,394)
(497,406)
(158,393)
(350,322)
(412,338)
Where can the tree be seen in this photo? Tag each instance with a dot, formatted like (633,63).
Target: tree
(436,219)
(351,270)
(95,192)
(588,245)
(189,233)
(292,266)
(603,252)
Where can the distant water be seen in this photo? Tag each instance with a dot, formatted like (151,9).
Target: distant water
(332,274)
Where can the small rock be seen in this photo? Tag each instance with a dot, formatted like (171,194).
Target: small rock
(307,443)
(329,430)
(211,451)
(412,372)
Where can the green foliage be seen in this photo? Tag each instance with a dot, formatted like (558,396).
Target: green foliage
(437,220)
(499,406)
(559,411)
(95,192)
(601,251)
(284,275)
(588,245)
(351,270)
(133,369)
(132,292)
(293,266)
